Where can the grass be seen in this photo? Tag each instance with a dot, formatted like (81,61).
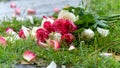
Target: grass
(86,55)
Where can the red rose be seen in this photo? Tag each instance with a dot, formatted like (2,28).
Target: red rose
(64,26)
(21,34)
(48,26)
(41,34)
(68,38)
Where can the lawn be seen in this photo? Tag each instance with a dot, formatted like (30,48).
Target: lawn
(85,55)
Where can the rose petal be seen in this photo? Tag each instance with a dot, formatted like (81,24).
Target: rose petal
(55,44)
(103,32)
(17,11)
(2,41)
(28,55)
(52,65)
(13,5)
(72,47)
(31,11)
(56,10)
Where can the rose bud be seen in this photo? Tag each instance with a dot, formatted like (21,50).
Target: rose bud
(31,11)
(13,5)
(17,11)
(56,10)
(9,31)
(42,34)
(29,56)
(46,19)
(87,34)
(24,32)
(103,32)
(68,38)
(2,41)
(55,44)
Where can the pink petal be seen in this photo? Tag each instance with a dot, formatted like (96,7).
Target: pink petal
(17,11)
(31,12)
(2,41)
(55,44)
(28,55)
(13,5)
(72,47)
(56,10)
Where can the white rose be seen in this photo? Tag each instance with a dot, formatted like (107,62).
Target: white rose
(67,15)
(103,32)
(87,34)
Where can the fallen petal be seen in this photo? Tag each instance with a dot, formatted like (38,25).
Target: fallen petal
(2,41)
(103,32)
(106,54)
(72,47)
(55,44)
(52,65)
(13,5)
(28,55)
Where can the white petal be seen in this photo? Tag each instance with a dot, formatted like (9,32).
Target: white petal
(25,30)
(72,47)
(31,19)
(52,65)
(103,32)
(106,54)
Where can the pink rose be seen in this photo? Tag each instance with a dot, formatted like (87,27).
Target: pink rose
(2,41)
(31,12)
(13,5)
(28,55)
(42,35)
(68,38)
(21,34)
(64,26)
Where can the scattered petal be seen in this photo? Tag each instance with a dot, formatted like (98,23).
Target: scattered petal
(2,41)
(56,10)
(103,32)
(31,11)
(31,19)
(72,47)
(55,44)
(28,55)
(13,5)
(106,54)
(52,65)
(17,11)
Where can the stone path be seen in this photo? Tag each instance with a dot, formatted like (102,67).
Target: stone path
(42,7)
